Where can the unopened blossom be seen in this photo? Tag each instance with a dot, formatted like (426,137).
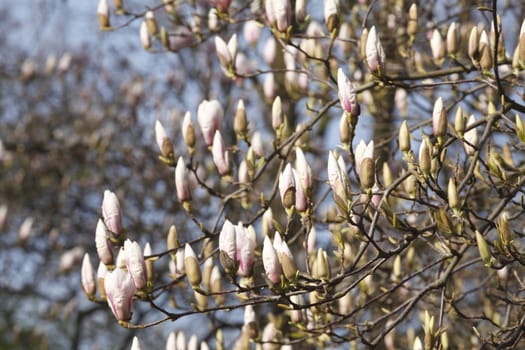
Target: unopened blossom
(101,275)
(182,181)
(228,247)
(111,212)
(103,14)
(300,11)
(104,248)
(188,130)
(269,86)
(437,45)
(301,197)
(470,136)
(163,141)
(257,144)
(267,221)
(221,156)
(285,257)
(375,55)
(252,32)
(363,150)
(277,113)
(331,15)
(171,343)
(191,266)
(439,119)
(181,340)
(485,59)
(347,94)
(287,187)
(151,22)
(209,115)
(26,229)
(269,335)
(452,39)
(135,263)
(279,14)
(245,250)
(271,263)
(473,45)
(119,292)
(337,175)
(250,322)
(303,169)
(144,35)
(87,276)
(135,344)
(270,50)
(70,258)
(227,53)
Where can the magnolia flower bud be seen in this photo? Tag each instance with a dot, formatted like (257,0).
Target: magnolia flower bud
(452,39)
(151,23)
(344,130)
(473,43)
(484,250)
(321,268)
(250,322)
(111,213)
(104,249)
(278,14)
(285,257)
(145,39)
(216,285)
(367,173)
(269,86)
(277,114)
(188,131)
(520,130)
(504,232)
(119,289)
(101,275)
(257,144)
(375,56)
(240,123)
(337,176)
(271,262)
(412,20)
(135,264)
(163,141)
(300,11)
(150,271)
(459,122)
(471,136)
(287,187)
(347,94)
(135,344)
(485,53)
(221,156)
(303,170)
(331,15)
(404,137)
(172,240)
(213,20)
(439,119)
(228,247)
(363,150)
(227,53)
(453,197)
(424,156)
(209,115)
(26,229)
(245,251)
(438,47)
(267,222)
(87,276)
(103,14)
(252,32)
(191,266)
(182,181)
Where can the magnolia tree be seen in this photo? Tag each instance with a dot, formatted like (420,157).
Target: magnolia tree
(353,175)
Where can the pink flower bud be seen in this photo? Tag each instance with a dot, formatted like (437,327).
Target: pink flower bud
(375,56)
(221,156)
(119,292)
(301,198)
(347,94)
(209,115)
(103,14)
(287,187)
(26,229)
(182,181)
(271,262)
(303,169)
(245,250)
(163,141)
(252,32)
(191,266)
(226,52)
(267,221)
(439,119)
(363,151)
(188,130)
(135,344)
(171,343)
(470,136)
(269,51)
(87,276)
(257,144)
(337,176)
(228,247)
(104,249)
(437,45)
(269,86)
(285,257)
(111,212)
(279,14)
(331,15)
(101,275)
(70,258)
(277,113)
(135,263)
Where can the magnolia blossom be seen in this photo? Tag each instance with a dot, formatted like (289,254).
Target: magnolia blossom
(104,249)
(271,264)
(301,198)
(279,14)
(119,292)
(182,181)
(303,169)
(269,86)
(347,94)
(145,38)
(135,263)
(135,344)
(363,151)
(270,50)
(257,144)
(26,228)
(245,250)
(228,247)
(163,141)
(285,256)
(227,53)
(337,175)
(375,56)
(439,119)
(277,113)
(87,276)
(188,130)
(103,13)
(221,156)
(287,187)
(252,32)
(300,11)
(331,14)
(470,136)
(111,212)
(437,45)
(452,39)
(209,115)
(171,343)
